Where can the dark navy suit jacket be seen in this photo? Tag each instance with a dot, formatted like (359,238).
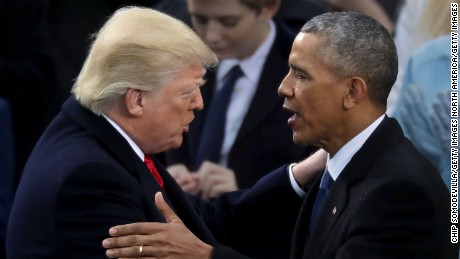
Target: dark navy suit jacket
(83,177)
(264,141)
(388,202)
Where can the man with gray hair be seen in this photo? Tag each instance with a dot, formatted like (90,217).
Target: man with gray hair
(93,167)
(378,196)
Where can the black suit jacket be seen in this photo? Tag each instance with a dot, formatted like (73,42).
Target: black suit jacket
(83,177)
(264,141)
(388,202)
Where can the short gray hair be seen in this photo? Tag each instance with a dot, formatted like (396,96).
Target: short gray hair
(357,45)
(137,48)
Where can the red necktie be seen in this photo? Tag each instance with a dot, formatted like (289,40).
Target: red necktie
(151,166)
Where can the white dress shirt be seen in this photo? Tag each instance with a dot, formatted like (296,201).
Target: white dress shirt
(133,145)
(337,163)
(244,90)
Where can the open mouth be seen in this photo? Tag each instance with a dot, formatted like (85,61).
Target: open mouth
(294,116)
(289,110)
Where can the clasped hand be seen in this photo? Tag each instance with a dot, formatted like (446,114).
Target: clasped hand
(209,181)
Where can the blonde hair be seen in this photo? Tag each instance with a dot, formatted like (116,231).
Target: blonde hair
(137,48)
(434,20)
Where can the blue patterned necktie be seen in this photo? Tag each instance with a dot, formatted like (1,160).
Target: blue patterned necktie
(324,187)
(212,135)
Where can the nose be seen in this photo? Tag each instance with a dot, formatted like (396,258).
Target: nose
(285,89)
(213,32)
(197,101)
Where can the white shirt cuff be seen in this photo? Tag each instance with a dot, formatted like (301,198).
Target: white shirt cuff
(294,183)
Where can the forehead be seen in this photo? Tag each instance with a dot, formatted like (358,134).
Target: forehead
(188,76)
(308,55)
(306,47)
(216,8)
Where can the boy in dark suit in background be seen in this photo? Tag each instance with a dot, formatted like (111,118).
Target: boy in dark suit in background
(378,197)
(233,147)
(92,168)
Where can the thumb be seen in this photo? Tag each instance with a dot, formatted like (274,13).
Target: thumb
(165,210)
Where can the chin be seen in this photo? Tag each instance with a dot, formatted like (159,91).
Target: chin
(172,144)
(298,140)
(177,143)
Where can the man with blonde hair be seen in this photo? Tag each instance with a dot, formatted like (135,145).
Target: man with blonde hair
(378,197)
(92,168)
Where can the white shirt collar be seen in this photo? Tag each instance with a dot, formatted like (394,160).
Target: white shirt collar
(336,164)
(251,66)
(133,145)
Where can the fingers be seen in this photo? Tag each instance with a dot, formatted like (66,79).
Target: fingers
(215,179)
(414,112)
(444,100)
(443,109)
(191,184)
(125,252)
(137,251)
(140,228)
(123,246)
(188,181)
(218,184)
(178,172)
(440,119)
(306,170)
(165,210)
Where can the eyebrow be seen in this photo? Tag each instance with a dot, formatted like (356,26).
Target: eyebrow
(298,69)
(202,82)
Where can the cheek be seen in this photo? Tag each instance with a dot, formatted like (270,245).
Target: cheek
(179,114)
(239,35)
(200,30)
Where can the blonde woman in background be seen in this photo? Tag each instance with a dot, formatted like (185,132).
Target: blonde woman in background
(418,21)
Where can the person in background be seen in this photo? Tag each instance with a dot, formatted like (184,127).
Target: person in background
(232,146)
(378,196)
(27,73)
(71,37)
(6,170)
(296,12)
(424,104)
(27,85)
(95,166)
(373,8)
(418,22)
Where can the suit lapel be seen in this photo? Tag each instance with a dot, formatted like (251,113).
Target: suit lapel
(333,208)
(116,145)
(301,235)
(110,139)
(113,143)
(183,207)
(387,134)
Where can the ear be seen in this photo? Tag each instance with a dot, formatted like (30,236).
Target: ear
(356,93)
(133,101)
(270,10)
